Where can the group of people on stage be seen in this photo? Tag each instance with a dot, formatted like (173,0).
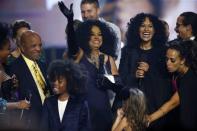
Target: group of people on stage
(149,84)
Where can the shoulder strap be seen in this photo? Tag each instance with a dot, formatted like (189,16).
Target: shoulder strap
(101,69)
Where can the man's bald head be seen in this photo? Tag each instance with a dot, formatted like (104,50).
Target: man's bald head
(31,45)
(28,36)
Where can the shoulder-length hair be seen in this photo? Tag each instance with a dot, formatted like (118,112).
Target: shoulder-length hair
(133,39)
(109,43)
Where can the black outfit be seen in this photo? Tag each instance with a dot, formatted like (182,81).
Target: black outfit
(27,88)
(75,118)
(188,100)
(98,100)
(96,96)
(156,83)
(7,92)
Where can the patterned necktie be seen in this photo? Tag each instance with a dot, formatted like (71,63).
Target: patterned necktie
(39,78)
(40,82)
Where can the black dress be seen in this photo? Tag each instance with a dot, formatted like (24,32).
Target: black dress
(188,100)
(98,100)
(156,84)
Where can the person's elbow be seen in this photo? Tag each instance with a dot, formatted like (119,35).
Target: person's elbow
(175,100)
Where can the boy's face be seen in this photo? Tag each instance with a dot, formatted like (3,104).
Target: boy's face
(59,85)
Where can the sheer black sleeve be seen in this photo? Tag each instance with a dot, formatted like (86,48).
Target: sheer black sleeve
(73,48)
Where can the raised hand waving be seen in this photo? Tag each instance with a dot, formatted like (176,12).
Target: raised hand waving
(68,13)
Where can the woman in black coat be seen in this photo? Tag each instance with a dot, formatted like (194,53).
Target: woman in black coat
(142,63)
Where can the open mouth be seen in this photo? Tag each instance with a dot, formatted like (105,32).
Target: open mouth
(97,41)
(146,35)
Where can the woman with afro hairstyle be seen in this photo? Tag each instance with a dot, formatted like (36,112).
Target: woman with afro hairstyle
(93,45)
(97,51)
(142,63)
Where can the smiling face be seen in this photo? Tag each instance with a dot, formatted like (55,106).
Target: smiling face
(173,60)
(181,29)
(59,85)
(146,30)
(89,11)
(31,45)
(96,38)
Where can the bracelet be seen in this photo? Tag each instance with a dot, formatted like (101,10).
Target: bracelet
(3,104)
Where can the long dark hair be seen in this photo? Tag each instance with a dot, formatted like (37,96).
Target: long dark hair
(133,39)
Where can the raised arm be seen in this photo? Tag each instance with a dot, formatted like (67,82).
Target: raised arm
(120,122)
(165,108)
(73,48)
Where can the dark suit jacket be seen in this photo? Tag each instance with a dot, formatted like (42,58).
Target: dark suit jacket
(76,115)
(27,88)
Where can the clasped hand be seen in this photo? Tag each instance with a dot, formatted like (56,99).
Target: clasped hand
(142,69)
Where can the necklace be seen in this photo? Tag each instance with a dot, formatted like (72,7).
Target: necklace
(94,60)
(147,46)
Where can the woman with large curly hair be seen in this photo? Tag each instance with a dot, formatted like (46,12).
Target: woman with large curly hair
(93,46)
(85,40)
(97,44)
(132,116)
(142,62)
(181,59)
